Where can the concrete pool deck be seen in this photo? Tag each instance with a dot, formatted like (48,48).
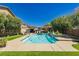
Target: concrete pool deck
(18,45)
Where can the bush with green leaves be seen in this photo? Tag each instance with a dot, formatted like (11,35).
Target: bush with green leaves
(64,23)
(9,25)
(3,42)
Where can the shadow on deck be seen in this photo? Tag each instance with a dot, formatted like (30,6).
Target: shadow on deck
(68,37)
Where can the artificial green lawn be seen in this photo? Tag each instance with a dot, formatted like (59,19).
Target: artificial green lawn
(76,46)
(8,38)
(37,53)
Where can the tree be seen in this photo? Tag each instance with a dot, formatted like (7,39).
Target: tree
(9,25)
(2,20)
(61,24)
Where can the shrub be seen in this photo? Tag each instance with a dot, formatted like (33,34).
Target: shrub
(3,42)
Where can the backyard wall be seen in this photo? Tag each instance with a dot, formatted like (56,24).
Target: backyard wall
(74,32)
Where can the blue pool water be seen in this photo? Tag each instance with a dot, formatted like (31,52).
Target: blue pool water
(40,38)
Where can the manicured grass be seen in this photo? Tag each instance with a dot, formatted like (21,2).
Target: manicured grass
(76,46)
(38,53)
(8,38)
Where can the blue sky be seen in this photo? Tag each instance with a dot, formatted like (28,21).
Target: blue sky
(39,14)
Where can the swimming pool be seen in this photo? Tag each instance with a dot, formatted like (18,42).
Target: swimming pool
(40,38)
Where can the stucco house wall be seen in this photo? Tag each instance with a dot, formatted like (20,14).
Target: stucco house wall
(6,11)
(24,29)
